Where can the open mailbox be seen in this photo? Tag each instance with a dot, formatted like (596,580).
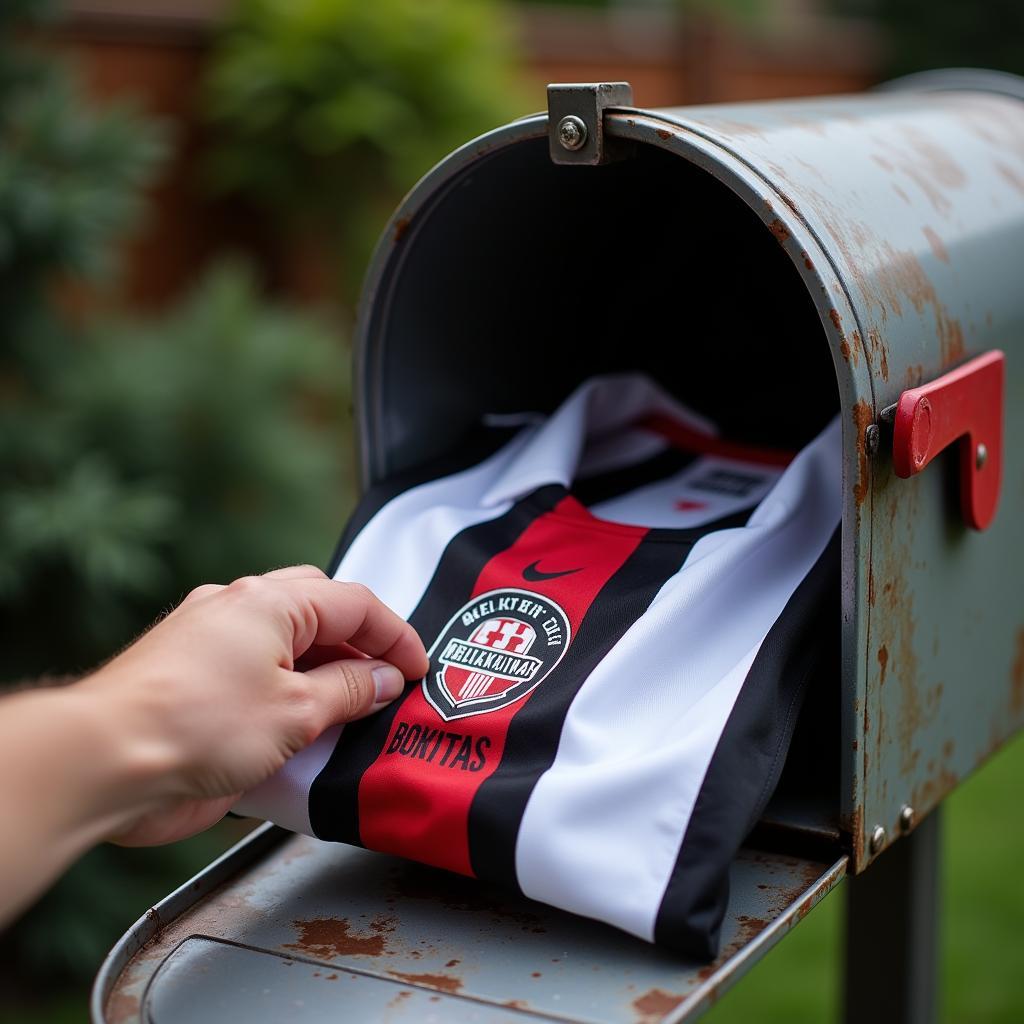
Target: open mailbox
(772,265)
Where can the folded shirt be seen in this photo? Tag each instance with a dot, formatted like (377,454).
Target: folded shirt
(622,611)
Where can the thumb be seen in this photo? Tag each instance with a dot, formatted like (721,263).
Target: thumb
(353,688)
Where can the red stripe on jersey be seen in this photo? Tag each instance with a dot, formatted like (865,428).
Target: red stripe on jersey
(414,800)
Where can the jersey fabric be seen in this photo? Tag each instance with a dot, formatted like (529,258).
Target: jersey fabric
(621,612)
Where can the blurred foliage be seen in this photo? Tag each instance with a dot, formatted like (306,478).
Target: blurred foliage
(145,457)
(137,457)
(922,34)
(738,10)
(326,111)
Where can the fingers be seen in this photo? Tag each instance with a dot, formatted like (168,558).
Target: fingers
(169,824)
(352,688)
(348,613)
(288,572)
(317,655)
(296,572)
(198,593)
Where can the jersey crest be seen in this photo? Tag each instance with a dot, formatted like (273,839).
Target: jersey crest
(495,649)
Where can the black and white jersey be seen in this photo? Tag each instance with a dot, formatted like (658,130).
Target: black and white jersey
(621,611)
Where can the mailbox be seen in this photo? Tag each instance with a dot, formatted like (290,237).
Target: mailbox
(772,265)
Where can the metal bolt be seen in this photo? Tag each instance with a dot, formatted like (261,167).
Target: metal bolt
(877,838)
(906,818)
(872,435)
(572,133)
(980,456)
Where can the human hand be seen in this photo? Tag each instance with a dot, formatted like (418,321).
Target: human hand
(220,693)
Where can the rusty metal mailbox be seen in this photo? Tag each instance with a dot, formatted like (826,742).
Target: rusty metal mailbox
(772,264)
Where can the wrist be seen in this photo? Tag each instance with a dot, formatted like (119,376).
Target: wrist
(123,767)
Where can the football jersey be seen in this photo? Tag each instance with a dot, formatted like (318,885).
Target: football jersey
(621,611)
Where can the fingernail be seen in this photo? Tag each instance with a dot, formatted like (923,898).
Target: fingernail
(388,682)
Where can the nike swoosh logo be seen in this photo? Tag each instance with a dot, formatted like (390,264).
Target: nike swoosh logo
(533,575)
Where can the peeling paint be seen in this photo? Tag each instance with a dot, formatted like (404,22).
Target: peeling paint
(936,243)
(438,982)
(862,416)
(655,1005)
(328,937)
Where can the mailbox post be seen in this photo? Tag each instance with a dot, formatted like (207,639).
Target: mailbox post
(774,265)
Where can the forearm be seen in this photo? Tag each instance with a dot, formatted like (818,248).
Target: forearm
(161,741)
(70,781)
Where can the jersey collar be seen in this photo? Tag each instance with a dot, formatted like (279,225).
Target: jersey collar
(594,424)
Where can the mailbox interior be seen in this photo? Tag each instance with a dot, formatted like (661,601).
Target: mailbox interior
(522,278)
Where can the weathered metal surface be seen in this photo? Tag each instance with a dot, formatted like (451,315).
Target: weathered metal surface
(323,930)
(576,123)
(918,202)
(903,212)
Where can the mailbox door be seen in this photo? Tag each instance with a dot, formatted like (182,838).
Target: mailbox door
(287,927)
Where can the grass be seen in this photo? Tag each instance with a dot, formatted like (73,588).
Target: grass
(982,975)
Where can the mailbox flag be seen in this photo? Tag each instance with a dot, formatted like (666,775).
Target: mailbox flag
(620,624)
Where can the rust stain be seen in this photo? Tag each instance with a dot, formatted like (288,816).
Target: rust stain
(1017,677)
(122,1008)
(912,710)
(856,346)
(779,230)
(453,963)
(853,825)
(883,660)
(399,999)
(517,1004)
(951,340)
(328,937)
(662,133)
(535,974)
(844,348)
(879,352)
(438,982)
(401,226)
(655,1004)
(861,418)
(836,318)
(807,261)
(936,243)
(751,927)
(905,280)
(935,161)
(1011,176)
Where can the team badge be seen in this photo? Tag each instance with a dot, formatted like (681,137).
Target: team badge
(494,650)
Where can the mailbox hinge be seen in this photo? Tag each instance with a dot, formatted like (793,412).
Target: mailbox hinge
(576,121)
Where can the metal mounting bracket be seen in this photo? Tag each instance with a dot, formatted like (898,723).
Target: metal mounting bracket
(576,121)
